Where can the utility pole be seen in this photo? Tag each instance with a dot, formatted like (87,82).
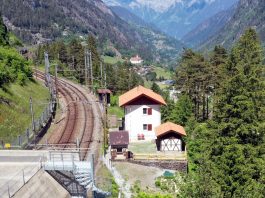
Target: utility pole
(105,112)
(32,118)
(86,71)
(91,70)
(56,81)
(101,77)
(47,72)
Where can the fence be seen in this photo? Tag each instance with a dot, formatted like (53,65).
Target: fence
(17,181)
(31,133)
(181,156)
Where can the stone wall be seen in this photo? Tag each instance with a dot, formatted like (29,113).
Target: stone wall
(181,166)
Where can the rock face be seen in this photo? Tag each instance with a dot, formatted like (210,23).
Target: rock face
(249,13)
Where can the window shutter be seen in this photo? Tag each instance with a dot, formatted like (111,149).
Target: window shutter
(149,127)
(149,111)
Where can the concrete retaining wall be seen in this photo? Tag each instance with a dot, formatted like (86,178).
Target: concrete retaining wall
(42,185)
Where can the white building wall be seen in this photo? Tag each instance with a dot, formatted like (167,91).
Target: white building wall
(135,119)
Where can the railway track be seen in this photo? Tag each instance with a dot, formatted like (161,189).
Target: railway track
(78,121)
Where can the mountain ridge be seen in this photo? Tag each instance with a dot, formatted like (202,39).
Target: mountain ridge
(179,17)
(208,28)
(43,21)
(249,13)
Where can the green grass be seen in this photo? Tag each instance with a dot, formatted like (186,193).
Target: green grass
(15,115)
(143,147)
(163,72)
(115,110)
(106,182)
(112,60)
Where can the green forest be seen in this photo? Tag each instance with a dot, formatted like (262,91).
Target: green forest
(70,58)
(13,67)
(222,107)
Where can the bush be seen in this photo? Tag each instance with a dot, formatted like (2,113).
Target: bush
(13,67)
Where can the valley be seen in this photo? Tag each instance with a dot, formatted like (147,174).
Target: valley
(132,98)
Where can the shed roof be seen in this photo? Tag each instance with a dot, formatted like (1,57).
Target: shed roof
(104,91)
(137,92)
(169,126)
(119,138)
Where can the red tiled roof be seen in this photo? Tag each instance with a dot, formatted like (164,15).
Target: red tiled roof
(137,92)
(118,138)
(169,126)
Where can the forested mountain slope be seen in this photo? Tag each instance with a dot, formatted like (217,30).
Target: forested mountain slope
(208,28)
(39,21)
(249,13)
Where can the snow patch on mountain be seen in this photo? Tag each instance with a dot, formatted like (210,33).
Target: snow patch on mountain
(157,5)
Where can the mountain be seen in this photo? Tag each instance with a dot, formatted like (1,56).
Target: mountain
(249,13)
(128,16)
(208,28)
(174,17)
(38,21)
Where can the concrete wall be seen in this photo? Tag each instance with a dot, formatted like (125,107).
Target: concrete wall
(134,120)
(42,185)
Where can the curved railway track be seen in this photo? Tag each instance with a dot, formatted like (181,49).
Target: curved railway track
(78,121)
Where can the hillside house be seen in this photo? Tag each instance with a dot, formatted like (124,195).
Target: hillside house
(142,113)
(170,137)
(136,60)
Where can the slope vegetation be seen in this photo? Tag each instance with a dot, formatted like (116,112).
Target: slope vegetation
(249,13)
(38,21)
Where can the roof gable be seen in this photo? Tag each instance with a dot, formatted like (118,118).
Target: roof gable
(119,138)
(169,127)
(139,92)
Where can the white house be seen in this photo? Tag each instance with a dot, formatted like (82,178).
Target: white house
(136,60)
(142,113)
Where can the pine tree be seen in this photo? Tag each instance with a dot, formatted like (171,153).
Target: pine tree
(238,150)
(192,78)
(3,33)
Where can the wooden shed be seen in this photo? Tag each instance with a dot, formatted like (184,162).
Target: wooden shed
(119,140)
(102,93)
(170,137)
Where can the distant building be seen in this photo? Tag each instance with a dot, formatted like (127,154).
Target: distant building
(170,137)
(104,94)
(136,60)
(142,113)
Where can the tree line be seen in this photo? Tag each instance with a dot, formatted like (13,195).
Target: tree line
(70,58)
(223,106)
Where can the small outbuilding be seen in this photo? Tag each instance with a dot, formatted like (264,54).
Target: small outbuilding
(170,137)
(102,93)
(119,140)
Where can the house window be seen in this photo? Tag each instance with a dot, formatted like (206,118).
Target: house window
(145,127)
(150,127)
(149,111)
